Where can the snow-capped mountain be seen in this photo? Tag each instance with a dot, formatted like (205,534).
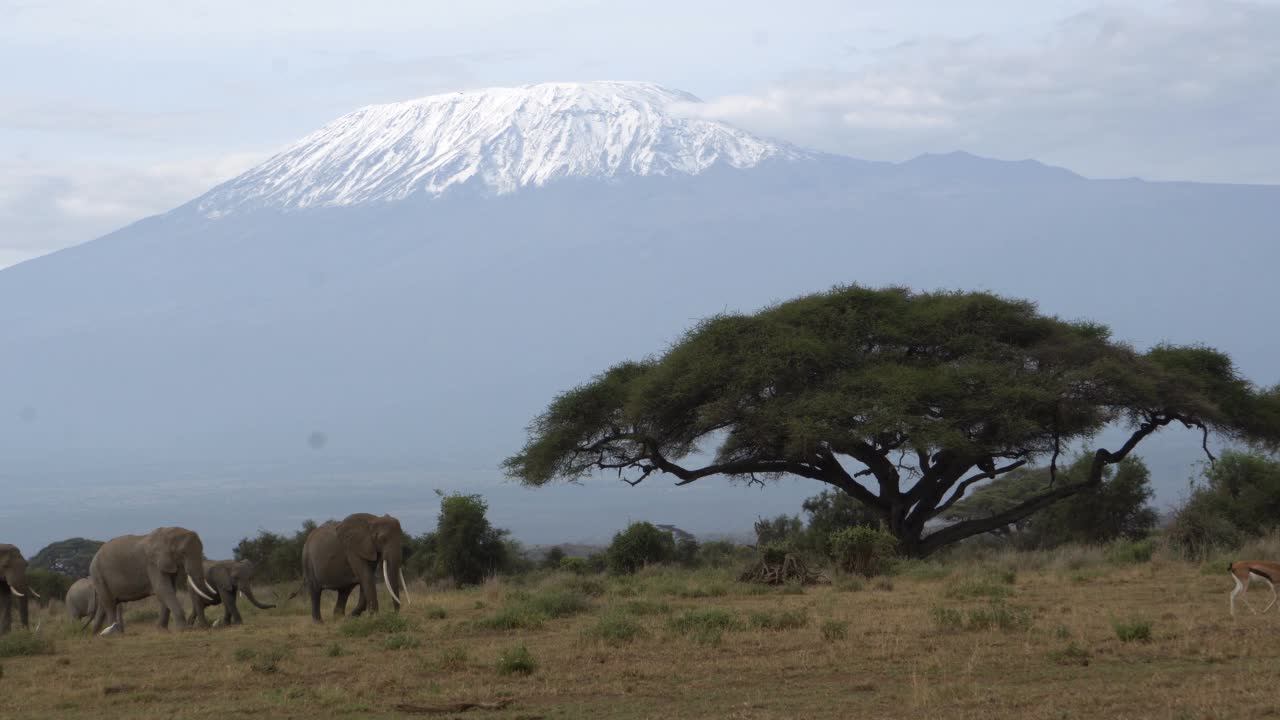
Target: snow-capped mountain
(502,138)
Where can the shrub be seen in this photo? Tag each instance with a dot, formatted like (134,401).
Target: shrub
(639,545)
(380,624)
(401,641)
(1239,497)
(1133,630)
(591,587)
(557,603)
(862,550)
(516,661)
(575,565)
(833,630)
(781,620)
(436,612)
(20,643)
(704,626)
(1131,552)
(616,628)
(512,618)
(553,558)
(49,584)
(466,547)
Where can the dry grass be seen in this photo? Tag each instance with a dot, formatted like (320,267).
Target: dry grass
(856,654)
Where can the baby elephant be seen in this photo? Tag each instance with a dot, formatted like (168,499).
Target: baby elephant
(227,577)
(82,602)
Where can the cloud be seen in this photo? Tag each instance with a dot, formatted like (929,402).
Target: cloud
(1188,92)
(47,207)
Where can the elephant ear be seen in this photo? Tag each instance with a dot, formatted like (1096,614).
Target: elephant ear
(160,552)
(356,535)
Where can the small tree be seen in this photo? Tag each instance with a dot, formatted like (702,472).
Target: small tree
(829,512)
(275,558)
(904,401)
(553,557)
(781,530)
(639,545)
(466,547)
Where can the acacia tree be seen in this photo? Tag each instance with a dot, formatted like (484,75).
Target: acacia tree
(903,400)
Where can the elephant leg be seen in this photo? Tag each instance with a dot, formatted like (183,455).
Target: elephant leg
(369,586)
(6,610)
(228,597)
(362,604)
(164,586)
(314,591)
(340,607)
(162,622)
(197,611)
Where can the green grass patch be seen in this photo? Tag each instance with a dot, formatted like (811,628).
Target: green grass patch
(334,650)
(511,618)
(24,643)
(1131,552)
(452,659)
(998,616)
(1072,654)
(436,612)
(779,620)
(834,630)
(1133,630)
(380,624)
(645,607)
(705,627)
(401,641)
(517,661)
(980,587)
(615,628)
(922,570)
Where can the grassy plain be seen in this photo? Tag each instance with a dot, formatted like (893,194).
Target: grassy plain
(1013,636)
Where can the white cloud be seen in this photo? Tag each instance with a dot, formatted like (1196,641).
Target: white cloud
(47,207)
(1188,92)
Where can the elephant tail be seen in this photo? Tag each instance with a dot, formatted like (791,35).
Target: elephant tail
(292,595)
(248,594)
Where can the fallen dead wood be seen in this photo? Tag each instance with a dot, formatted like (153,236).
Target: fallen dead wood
(452,707)
(790,569)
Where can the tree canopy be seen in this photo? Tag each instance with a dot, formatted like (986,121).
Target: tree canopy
(903,400)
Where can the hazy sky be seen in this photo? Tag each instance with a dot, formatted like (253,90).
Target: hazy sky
(110,112)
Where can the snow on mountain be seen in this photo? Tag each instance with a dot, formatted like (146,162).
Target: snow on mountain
(504,138)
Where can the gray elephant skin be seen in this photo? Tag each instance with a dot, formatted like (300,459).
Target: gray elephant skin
(134,567)
(13,587)
(82,602)
(344,555)
(228,577)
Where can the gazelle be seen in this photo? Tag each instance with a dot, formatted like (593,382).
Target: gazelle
(1242,571)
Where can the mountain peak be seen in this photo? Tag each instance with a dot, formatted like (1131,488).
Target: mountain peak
(503,138)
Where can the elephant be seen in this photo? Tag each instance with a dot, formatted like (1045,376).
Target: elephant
(345,555)
(13,583)
(227,577)
(134,567)
(82,602)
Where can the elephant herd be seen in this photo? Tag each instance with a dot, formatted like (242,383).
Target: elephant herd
(338,555)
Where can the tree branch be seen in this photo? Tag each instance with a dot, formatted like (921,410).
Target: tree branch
(967,482)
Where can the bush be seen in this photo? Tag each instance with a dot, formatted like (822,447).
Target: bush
(575,565)
(862,550)
(998,616)
(465,546)
(1133,630)
(512,618)
(554,557)
(591,587)
(833,630)
(556,603)
(639,545)
(275,557)
(516,661)
(1131,552)
(21,643)
(380,624)
(615,628)
(1238,497)
(48,584)
(721,554)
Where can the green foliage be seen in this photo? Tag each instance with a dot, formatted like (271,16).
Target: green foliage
(554,558)
(508,618)
(646,607)
(334,650)
(22,643)
(464,546)
(48,584)
(379,624)
(517,661)
(401,641)
(863,550)
(615,628)
(589,586)
(639,545)
(1117,509)
(833,630)
(436,612)
(525,611)
(978,587)
(1238,498)
(575,565)
(275,558)
(830,512)
(705,627)
(778,620)
(1133,630)
(70,557)
(721,554)
(998,616)
(1131,552)
(801,387)
(687,551)
(783,530)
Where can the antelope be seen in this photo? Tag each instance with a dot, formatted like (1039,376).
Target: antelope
(1242,571)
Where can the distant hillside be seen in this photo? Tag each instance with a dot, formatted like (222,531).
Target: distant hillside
(70,557)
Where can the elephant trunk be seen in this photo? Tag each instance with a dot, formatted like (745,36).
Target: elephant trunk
(247,592)
(16,579)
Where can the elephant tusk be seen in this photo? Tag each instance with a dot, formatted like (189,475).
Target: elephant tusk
(386,579)
(15,592)
(209,587)
(192,583)
(404,588)
(33,592)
